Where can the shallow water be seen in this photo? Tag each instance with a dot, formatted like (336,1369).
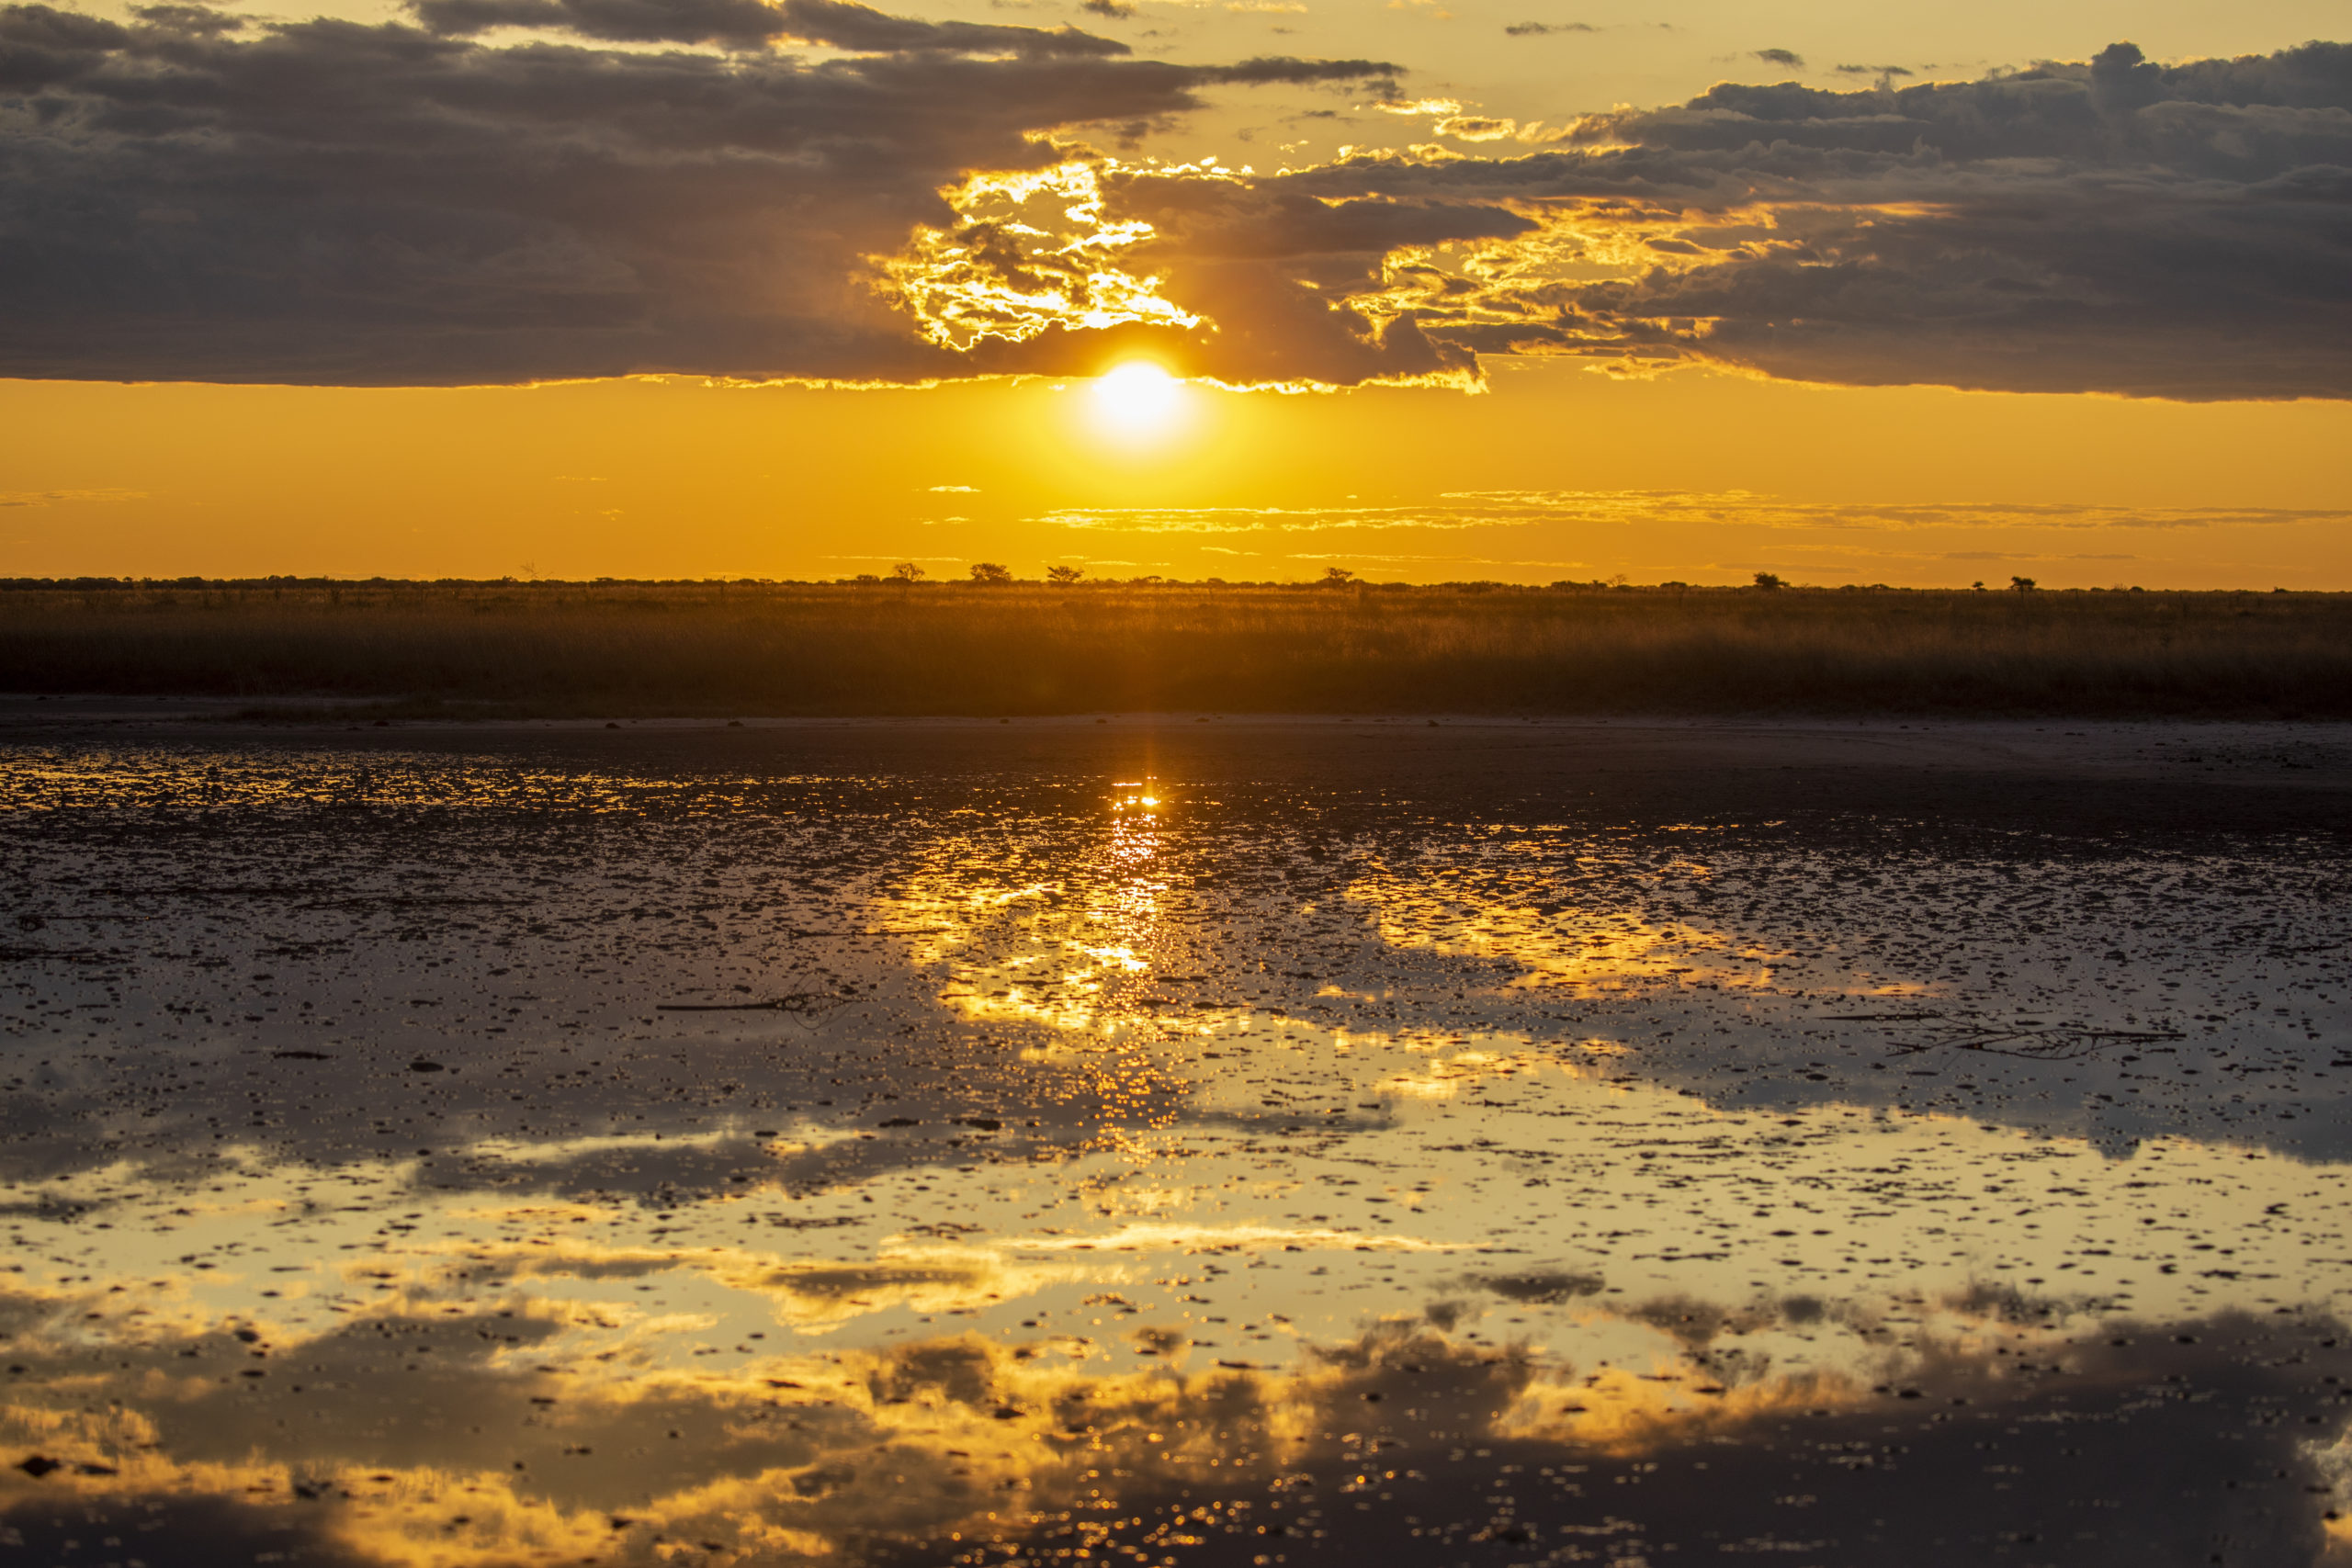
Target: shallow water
(930,1143)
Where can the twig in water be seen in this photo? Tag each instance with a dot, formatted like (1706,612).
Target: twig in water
(795,1002)
(2064,1042)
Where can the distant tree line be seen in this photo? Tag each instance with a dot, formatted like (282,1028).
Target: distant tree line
(995,574)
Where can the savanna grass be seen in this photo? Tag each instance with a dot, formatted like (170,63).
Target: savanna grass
(699,648)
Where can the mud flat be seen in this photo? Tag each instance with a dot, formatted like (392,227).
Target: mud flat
(1174,1141)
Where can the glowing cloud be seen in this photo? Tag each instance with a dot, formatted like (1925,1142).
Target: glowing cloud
(1035,251)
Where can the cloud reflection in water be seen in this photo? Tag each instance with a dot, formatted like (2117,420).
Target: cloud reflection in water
(1262,1177)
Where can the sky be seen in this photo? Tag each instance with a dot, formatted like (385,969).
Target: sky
(1427,290)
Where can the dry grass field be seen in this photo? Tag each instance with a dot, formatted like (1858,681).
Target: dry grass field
(703,649)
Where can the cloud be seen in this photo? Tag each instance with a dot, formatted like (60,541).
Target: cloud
(66,497)
(1540,29)
(1788,57)
(2114,226)
(1457,509)
(1474,127)
(751,23)
(189,196)
(1265,519)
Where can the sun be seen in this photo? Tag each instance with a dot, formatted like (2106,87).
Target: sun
(1137,397)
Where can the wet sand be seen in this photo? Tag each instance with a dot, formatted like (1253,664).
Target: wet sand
(1173,1142)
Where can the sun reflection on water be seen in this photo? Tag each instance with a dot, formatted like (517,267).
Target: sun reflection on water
(1065,964)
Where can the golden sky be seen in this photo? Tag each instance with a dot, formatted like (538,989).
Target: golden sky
(683,287)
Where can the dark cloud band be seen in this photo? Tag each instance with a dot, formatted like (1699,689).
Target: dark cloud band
(2180,231)
(190,197)
(749,24)
(194,199)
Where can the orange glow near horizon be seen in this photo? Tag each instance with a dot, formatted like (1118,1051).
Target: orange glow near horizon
(680,478)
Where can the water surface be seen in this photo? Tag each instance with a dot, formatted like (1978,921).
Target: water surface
(1174,1145)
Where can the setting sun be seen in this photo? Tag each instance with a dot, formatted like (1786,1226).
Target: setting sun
(1138,398)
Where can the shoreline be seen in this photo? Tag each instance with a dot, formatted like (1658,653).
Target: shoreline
(2301,756)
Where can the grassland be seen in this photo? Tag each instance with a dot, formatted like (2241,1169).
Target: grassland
(706,648)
